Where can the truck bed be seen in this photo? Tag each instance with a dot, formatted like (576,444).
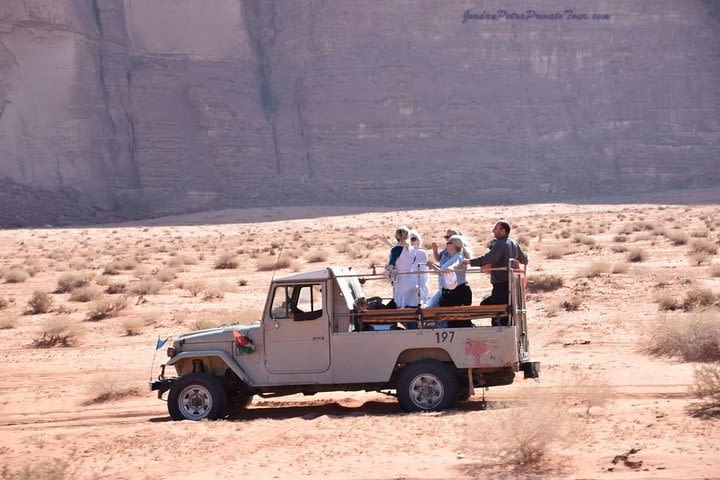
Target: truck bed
(426,317)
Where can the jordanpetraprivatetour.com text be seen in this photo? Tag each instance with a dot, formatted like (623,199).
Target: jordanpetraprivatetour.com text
(497,15)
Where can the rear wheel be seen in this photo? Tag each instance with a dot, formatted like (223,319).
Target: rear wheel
(427,385)
(197,396)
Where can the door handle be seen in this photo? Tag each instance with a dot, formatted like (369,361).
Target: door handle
(318,338)
(277,325)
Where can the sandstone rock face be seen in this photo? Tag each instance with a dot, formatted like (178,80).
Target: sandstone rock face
(138,107)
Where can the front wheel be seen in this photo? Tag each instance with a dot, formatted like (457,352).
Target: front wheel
(427,385)
(197,396)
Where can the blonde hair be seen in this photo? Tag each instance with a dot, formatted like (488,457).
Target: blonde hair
(454,230)
(402,234)
(462,246)
(414,233)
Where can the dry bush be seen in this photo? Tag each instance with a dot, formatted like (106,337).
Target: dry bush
(3,303)
(68,282)
(317,256)
(166,274)
(84,294)
(55,469)
(698,258)
(524,435)
(620,238)
(212,293)
(226,261)
(58,331)
(203,324)
(544,283)
(715,270)
(109,388)
(666,302)
(619,248)
(677,237)
(595,269)
(40,302)
(7,322)
(115,288)
(571,304)
(554,252)
(588,389)
(699,233)
(620,268)
(242,282)
(147,286)
(193,287)
(706,386)
(703,245)
(180,260)
(106,308)
(265,264)
(698,298)
(15,275)
(695,337)
(637,255)
(133,326)
(114,267)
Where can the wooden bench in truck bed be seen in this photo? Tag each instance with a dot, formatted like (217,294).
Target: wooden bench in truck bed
(431,314)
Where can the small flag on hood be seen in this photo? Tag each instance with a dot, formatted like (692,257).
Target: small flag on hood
(160,343)
(244,345)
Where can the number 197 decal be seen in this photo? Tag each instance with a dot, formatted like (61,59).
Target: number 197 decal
(444,336)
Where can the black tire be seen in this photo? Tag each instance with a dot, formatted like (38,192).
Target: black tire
(197,396)
(240,402)
(427,386)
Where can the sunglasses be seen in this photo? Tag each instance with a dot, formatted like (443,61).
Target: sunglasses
(413,239)
(447,237)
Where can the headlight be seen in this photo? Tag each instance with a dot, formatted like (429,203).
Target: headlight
(171,352)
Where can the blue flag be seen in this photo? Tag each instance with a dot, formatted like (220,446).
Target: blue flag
(160,343)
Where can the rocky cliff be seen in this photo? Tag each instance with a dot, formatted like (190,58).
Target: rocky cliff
(112,108)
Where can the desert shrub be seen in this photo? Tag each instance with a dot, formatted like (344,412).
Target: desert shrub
(619,248)
(526,434)
(166,274)
(243,282)
(554,252)
(15,275)
(265,264)
(571,304)
(84,294)
(109,388)
(6,322)
(203,324)
(699,233)
(148,286)
(226,261)
(3,303)
(620,238)
(212,293)
(703,245)
(115,288)
(667,302)
(620,268)
(58,332)
(677,237)
(68,282)
(637,255)
(114,267)
(706,386)
(106,308)
(132,325)
(698,298)
(715,270)
(40,302)
(544,283)
(317,256)
(596,269)
(193,287)
(586,388)
(55,469)
(695,337)
(698,258)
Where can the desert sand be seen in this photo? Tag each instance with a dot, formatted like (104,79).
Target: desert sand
(603,407)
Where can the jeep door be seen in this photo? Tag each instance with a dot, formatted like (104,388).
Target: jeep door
(296,329)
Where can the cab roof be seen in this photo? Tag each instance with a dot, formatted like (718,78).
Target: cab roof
(316,275)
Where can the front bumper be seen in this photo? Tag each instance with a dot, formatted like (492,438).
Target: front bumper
(162,384)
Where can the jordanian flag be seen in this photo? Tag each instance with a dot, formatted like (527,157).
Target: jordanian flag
(244,345)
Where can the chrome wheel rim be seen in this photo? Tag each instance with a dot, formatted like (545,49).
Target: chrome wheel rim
(195,402)
(426,391)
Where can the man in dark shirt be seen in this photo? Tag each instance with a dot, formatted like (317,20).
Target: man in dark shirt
(498,256)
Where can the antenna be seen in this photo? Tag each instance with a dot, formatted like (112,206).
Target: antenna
(278,260)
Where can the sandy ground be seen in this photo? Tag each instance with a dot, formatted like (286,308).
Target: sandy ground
(624,400)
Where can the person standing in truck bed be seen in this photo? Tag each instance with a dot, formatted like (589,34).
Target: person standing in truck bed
(498,256)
